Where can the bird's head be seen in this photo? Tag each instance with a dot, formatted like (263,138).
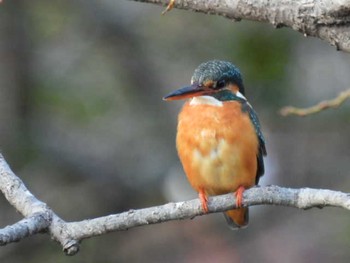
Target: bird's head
(212,78)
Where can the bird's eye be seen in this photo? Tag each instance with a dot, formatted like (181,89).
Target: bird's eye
(220,84)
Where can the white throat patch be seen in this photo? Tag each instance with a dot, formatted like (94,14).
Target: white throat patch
(240,95)
(208,100)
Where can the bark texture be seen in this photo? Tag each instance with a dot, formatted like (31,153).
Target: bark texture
(39,218)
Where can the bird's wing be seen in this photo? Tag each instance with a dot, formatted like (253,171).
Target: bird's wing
(246,107)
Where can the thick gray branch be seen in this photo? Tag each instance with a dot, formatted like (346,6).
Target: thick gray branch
(40,218)
(328,20)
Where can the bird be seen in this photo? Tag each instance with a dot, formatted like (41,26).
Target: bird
(219,139)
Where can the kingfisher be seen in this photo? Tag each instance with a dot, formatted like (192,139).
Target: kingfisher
(219,139)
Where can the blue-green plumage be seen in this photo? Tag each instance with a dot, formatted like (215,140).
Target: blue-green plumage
(262,148)
(218,71)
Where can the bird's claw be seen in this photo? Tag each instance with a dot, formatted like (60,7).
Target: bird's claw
(239,196)
(204,201)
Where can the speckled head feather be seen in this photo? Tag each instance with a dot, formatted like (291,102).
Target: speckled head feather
(217,70)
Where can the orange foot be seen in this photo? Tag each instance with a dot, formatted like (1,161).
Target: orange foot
(169,6)
(204,200)
(239,196)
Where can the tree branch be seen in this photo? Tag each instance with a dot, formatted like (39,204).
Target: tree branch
(30,207)
(24,228)
(323,105)
(40,218)
(328,20)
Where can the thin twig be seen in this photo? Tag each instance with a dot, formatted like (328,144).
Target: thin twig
(169,7)
(326,104)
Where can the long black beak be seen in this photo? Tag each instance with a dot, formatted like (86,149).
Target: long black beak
(185,92)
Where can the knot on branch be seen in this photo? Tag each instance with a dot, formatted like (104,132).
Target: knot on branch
(71,247)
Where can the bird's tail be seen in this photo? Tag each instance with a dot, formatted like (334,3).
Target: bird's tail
(237,218)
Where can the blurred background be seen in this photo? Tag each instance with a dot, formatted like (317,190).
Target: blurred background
(83,124)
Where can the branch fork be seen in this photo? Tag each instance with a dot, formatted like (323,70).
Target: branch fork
(39,218)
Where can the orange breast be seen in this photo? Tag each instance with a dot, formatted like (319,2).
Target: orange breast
(217,147)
